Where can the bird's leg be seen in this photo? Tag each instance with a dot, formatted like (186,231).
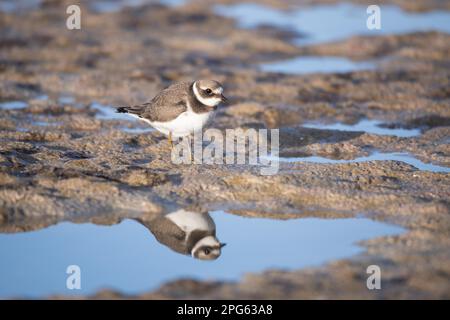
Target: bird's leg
(190,150)
(170,140)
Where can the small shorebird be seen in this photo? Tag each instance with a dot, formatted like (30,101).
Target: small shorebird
(181,109)
(187,232)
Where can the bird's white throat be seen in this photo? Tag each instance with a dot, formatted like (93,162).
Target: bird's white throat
(211,102)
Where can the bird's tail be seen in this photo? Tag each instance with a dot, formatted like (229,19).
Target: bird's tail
(122,110)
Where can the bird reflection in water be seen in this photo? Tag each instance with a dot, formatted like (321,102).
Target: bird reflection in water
(187,232)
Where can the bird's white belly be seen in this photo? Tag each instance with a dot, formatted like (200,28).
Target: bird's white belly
(189,221)
(183,125)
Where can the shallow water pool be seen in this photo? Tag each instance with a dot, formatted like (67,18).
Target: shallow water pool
(128,258)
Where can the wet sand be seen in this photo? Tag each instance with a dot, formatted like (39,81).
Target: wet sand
(63,158)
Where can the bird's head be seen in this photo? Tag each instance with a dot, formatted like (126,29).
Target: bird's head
(209,92)
(208,248)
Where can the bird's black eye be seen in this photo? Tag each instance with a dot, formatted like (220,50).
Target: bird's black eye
(208,91)
(206,251)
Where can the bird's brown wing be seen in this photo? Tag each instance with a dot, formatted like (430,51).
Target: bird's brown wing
(167,233)
(166,105)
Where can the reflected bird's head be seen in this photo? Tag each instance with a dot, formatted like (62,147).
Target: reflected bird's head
(208,248)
